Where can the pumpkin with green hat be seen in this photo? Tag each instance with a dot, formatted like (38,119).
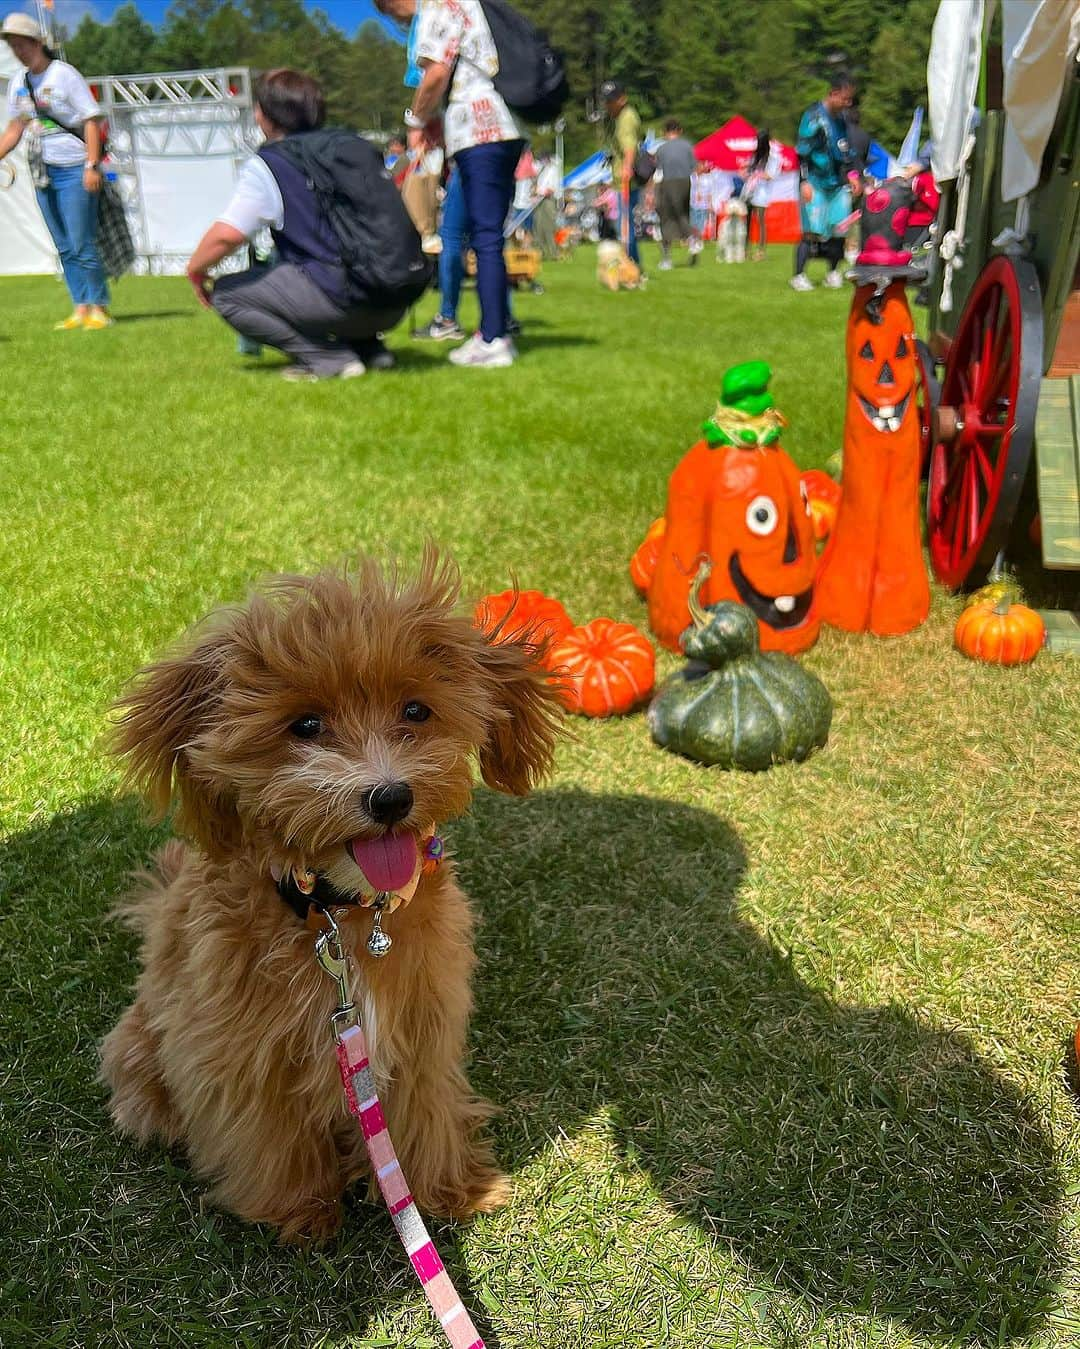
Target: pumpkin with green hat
(735,498)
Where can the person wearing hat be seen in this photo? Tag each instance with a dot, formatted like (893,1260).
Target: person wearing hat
(54,99)
(624,136)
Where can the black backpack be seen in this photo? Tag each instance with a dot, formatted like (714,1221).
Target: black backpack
(380,247)
(531,78)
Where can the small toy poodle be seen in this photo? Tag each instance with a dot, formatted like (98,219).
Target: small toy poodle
(313,741)
(614,268)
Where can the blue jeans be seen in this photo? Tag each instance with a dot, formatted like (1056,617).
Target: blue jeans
(454,232)
(487,184)
(71,215)
(631,245)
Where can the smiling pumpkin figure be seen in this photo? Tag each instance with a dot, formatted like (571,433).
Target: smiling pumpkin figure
(736,499)
(872,576)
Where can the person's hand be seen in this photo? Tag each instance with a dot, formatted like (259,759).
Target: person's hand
(806,192)
(416,138)
(856,188)
(202,286)
(91,179)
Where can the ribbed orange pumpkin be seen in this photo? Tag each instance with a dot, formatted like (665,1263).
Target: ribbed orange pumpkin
(643,563)
(532,609)
(823,498)
(605,667)
(1001,634)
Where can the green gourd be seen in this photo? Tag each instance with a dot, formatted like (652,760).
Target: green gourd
(733,705)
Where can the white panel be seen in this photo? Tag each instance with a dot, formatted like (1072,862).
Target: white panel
(181,197)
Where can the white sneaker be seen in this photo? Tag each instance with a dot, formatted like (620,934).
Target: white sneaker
(801,282)
(499,351)
(834,280)
(665,265)
(431,244)
(353,370)
(695,246)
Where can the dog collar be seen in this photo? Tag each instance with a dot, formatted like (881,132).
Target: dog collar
(304,890)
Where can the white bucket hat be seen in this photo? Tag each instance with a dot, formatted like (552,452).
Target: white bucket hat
(22,25)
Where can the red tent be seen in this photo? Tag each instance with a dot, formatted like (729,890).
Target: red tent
(731,146)
(730,149)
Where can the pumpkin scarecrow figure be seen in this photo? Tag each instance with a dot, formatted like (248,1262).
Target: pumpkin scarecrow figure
(872,576)
(736,500)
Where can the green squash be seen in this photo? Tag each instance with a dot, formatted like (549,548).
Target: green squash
(733,705)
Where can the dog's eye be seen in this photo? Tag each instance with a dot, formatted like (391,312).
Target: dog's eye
(306,727)
(415,712)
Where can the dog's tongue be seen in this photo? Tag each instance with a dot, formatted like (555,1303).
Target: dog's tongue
(387,862)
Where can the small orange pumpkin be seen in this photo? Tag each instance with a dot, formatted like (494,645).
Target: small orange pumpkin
(523,610)
(1001,634)
(605,667)
(643,563)
(823,495)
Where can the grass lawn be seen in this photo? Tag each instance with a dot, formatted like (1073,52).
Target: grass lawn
(780,1055)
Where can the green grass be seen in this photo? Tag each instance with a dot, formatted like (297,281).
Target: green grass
(780,1055)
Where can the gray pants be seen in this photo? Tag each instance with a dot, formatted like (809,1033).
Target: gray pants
(282,308)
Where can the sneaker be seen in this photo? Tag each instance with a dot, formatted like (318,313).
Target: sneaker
(355,369)
(97,319)
(299,374)
(834,280)
(439,330)
(69,324)
(695,246)
(801,282)
(665,265)
(498,352)
(431,244)
(373,354)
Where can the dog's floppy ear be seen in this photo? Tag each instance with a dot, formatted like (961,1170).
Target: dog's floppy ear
(163,711)
(527,713)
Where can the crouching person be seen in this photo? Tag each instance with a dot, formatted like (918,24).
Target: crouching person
(350,261)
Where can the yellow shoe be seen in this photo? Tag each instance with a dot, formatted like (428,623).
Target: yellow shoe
(67,325)
(97,319)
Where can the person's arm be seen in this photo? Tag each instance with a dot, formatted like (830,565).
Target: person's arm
(11,136)
(218,242)
(92,172)
(804,144)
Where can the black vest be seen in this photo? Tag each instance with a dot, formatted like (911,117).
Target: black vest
(306,238)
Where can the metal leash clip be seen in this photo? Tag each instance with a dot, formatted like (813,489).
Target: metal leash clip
(331,957)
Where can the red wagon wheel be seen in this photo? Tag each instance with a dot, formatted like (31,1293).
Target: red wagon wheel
(985,423)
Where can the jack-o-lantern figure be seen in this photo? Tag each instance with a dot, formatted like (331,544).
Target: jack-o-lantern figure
(736,499)
(872,576)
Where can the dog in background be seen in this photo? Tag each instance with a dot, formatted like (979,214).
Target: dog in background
(731,235)
(313,738)
(614,269)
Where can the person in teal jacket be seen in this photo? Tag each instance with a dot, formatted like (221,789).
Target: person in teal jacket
(826,162)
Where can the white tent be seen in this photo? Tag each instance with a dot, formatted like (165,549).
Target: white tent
(25,245)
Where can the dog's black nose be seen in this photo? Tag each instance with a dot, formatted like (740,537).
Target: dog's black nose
(389,802)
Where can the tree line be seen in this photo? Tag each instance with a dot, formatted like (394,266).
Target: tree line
(697,61)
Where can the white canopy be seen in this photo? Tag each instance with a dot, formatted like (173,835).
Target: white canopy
(1039,43)
(25,245)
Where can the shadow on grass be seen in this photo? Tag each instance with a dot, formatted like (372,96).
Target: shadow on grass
(858,1158)
(155,314)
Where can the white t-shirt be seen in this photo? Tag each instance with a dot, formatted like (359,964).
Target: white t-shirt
(61,91)
(758,190)
(256,200)
(455,31)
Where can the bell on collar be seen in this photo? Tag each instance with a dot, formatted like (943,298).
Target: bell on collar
(380,942)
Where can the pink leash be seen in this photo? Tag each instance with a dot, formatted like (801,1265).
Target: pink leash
(363,1102)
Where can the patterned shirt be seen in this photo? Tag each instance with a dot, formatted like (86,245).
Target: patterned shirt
(824,153)
(455,33)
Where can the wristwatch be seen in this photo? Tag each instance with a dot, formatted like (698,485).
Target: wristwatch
(413,122)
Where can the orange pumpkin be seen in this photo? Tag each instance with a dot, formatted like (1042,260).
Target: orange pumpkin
(605,668)
(523,610)
(872,577)
(823,501)
(643,563)
(742,507)
(1002,634)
